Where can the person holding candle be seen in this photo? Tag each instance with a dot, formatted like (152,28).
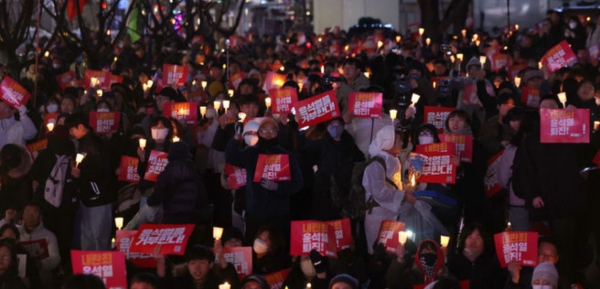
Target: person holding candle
(412,267)
(384,191)
(95,181)
(161,132)
(15,126)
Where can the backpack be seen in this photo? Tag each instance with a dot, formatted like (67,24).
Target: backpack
(518,177)
(354,205)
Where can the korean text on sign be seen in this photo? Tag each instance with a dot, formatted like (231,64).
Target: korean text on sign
(105,122)
(124,240)
(343,233)
(442,147)
(107,265)
(313,235)
(559,56)
(366,104)
(129,171)
(490,181)
(518,246)
(276,279)
(437,116)
(388,234)
(464,145)
(241,258)
(187,111)
(171,238)
(13,93)
(317,109)
(562,126)
(273,167)
(236,177)
(284,99)
(156,164)
(433,167)
(174,74)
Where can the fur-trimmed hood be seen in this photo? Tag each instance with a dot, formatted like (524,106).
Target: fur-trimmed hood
(16,159)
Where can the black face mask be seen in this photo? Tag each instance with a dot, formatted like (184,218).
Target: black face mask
(428,260)
(267,143)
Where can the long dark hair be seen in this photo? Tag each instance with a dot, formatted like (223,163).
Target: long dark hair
(488,244)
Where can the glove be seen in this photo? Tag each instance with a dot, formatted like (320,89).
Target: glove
(239,128)
(269,185)
(317,261)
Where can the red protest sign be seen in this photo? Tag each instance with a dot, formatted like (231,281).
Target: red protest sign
(38,249)
(437,115)
(171,238)
(107,265)
(273,167)
(174,74)
(236,177)
(274,81)
(388,235)
(500,61)
(464,145)
(36,147)
(596,160)
(123,241)
(13,93)
(530,96)
(309,235)
(284,99)
(442,147)
(518,246)
(470,95)
(559,56)
(562,126)
(96,78)
(317,109)
(236,79)
(64,80)
(343,233)
(156,164)
(241,258)
(129,171)
(433,168)
(491,176)
(182,110)
(105,122)
(276,279)
(366,104)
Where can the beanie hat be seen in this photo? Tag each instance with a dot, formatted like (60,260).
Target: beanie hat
(474,61)
(545,271)
(256,278)
(344,278)
(251,125)
(231,233)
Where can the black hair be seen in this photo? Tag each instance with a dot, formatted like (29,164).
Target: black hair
(75,119)
(447,283)
(503,98)
(429,127)
(488,243)
(199,252)
(11,227)
(354,61)
(549,240)
(147,278)
(84,281)
(460,113)
(248,99)
(514,114)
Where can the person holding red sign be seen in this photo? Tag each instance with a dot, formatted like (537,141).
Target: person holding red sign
(422,266)
(384,191)
(355,81)
(161,132)
(15,127)
(267,202)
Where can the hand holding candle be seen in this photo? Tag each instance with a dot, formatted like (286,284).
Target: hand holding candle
(402,236)
(226,104)
(202,110)
(225,286)
(119,222)
(242,116)
(217,105)
(78,159)
(562,96)
(444,241)
(268,102)
(50,126)
(142,143)
(393,114)
(217,233)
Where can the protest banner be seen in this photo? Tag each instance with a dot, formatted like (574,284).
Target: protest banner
(172,238)
(563,126)
(107,265)
(521,247)
(312,235)
(366,104)
(274,167)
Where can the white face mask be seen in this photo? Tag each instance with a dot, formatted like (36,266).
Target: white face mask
(425,139)
(259,246)
(159,133)
(103,110)
(542,287)
(572,25)
(307,267)
(251,139)
(52,108)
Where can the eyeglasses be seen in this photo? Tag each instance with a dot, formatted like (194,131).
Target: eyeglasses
(271,131)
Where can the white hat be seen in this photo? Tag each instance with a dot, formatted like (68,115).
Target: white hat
(251,125)
(384,140)
(545,271)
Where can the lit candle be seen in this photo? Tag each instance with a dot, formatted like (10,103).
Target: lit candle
(175,139)
(402,236)
(516,26)
(225,286)
(444,240)
(99,92)
(308,286)
(421,31)
(452,58)
(47,53)
(142,143)
(282,68)
(398,38)
(393,114)
(78,159)
(217,105)
(562,96)
(217,233)
(434,85)
(268,102)
(50,126)
(477,42)
(150,83)
(323,69)
(379,44)
(413,181)
(459,56)
(93,81)
(482,59)
(119,222)
(230,92)
(242,116)
(144,87)
(540,65)
(414,98)
(428,41)
(367,74)
(203,83)
(203,110)
(517,81)
(226,104)
(464,32)
(596,125)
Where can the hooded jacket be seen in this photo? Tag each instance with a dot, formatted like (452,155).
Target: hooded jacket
(414,272)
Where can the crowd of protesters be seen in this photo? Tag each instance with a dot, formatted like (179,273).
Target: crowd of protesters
(71,204)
